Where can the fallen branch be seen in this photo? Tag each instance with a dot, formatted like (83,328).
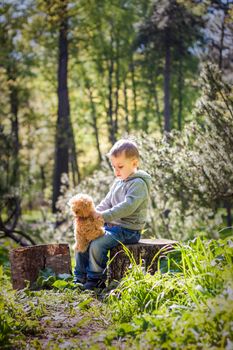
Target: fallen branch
(19,240)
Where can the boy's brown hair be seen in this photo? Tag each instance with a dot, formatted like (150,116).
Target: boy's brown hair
(128,147)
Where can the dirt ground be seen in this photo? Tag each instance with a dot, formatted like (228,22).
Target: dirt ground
(70,322)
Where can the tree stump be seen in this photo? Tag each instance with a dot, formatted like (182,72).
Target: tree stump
(26,262)
(145,249)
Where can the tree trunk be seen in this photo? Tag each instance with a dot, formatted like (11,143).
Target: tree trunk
(43,179)
(147,249)
(117,76)
(73,156)
(14,173)
(229,216)
(180,93)
(167,112)
(27,262)
(126,107)
(156,103)
(145,121)
(14,107)
(225,8)
(94,117)
(110,103)
(135,112)
(221,46)
(62,129)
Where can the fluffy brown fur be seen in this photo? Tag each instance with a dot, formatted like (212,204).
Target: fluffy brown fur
(87,224)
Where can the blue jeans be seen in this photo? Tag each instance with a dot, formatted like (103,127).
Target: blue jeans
(92,263)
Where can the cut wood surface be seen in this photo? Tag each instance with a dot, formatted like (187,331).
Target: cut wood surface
(145,249)
(26,262)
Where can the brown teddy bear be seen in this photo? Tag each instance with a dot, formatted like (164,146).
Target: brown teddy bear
(87,224)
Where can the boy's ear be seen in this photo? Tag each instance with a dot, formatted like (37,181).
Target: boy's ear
(135,162)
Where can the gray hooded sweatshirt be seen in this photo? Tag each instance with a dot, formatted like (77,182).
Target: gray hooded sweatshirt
(127,201)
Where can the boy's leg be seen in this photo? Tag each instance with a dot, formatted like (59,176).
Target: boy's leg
(98,251)
(81,264)
(131,236)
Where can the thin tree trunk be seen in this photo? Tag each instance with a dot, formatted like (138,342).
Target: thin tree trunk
(62,127)
(145,122)
(220,62)
(117,74)
(73,156)
(156,103)
(153,86)
(110,103)
(14,175)
(221,43)
(43,178)
(180,93)
(228,216)
(180,83)
(14,107)
(126,108)
(167,112)
(94,118)
(135,112)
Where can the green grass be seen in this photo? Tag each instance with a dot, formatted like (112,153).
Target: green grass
(15,321)
(187,304)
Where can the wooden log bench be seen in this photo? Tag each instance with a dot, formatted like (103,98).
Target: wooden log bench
(145,249)
(27,262)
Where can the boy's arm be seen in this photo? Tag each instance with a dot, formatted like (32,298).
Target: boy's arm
(135,196)
(106,202)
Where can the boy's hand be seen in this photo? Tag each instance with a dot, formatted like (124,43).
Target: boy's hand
(98,215)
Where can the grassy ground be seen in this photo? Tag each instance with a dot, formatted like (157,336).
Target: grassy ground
(69,321)
(188,304)
(51,319)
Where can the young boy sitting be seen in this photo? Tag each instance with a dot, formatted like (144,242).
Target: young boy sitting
(124,211)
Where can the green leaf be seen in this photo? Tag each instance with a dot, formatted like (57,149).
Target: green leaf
(60,284)
(85,304)
(125,328)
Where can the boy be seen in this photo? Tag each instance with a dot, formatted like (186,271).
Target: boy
(124,213)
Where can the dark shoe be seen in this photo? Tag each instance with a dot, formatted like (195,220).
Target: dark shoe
(93,284)
(79,280)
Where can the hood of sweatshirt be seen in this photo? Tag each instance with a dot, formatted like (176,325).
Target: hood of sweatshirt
(142,175)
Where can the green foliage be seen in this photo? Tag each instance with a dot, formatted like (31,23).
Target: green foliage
(16,320)
(47,278)
(192,307)
(209,327)
(192,170)
(4,254)
(202,267)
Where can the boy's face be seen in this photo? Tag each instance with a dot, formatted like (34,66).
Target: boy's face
(122,166)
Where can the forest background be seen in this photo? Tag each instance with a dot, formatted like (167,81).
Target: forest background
(75,76)
(78,75)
